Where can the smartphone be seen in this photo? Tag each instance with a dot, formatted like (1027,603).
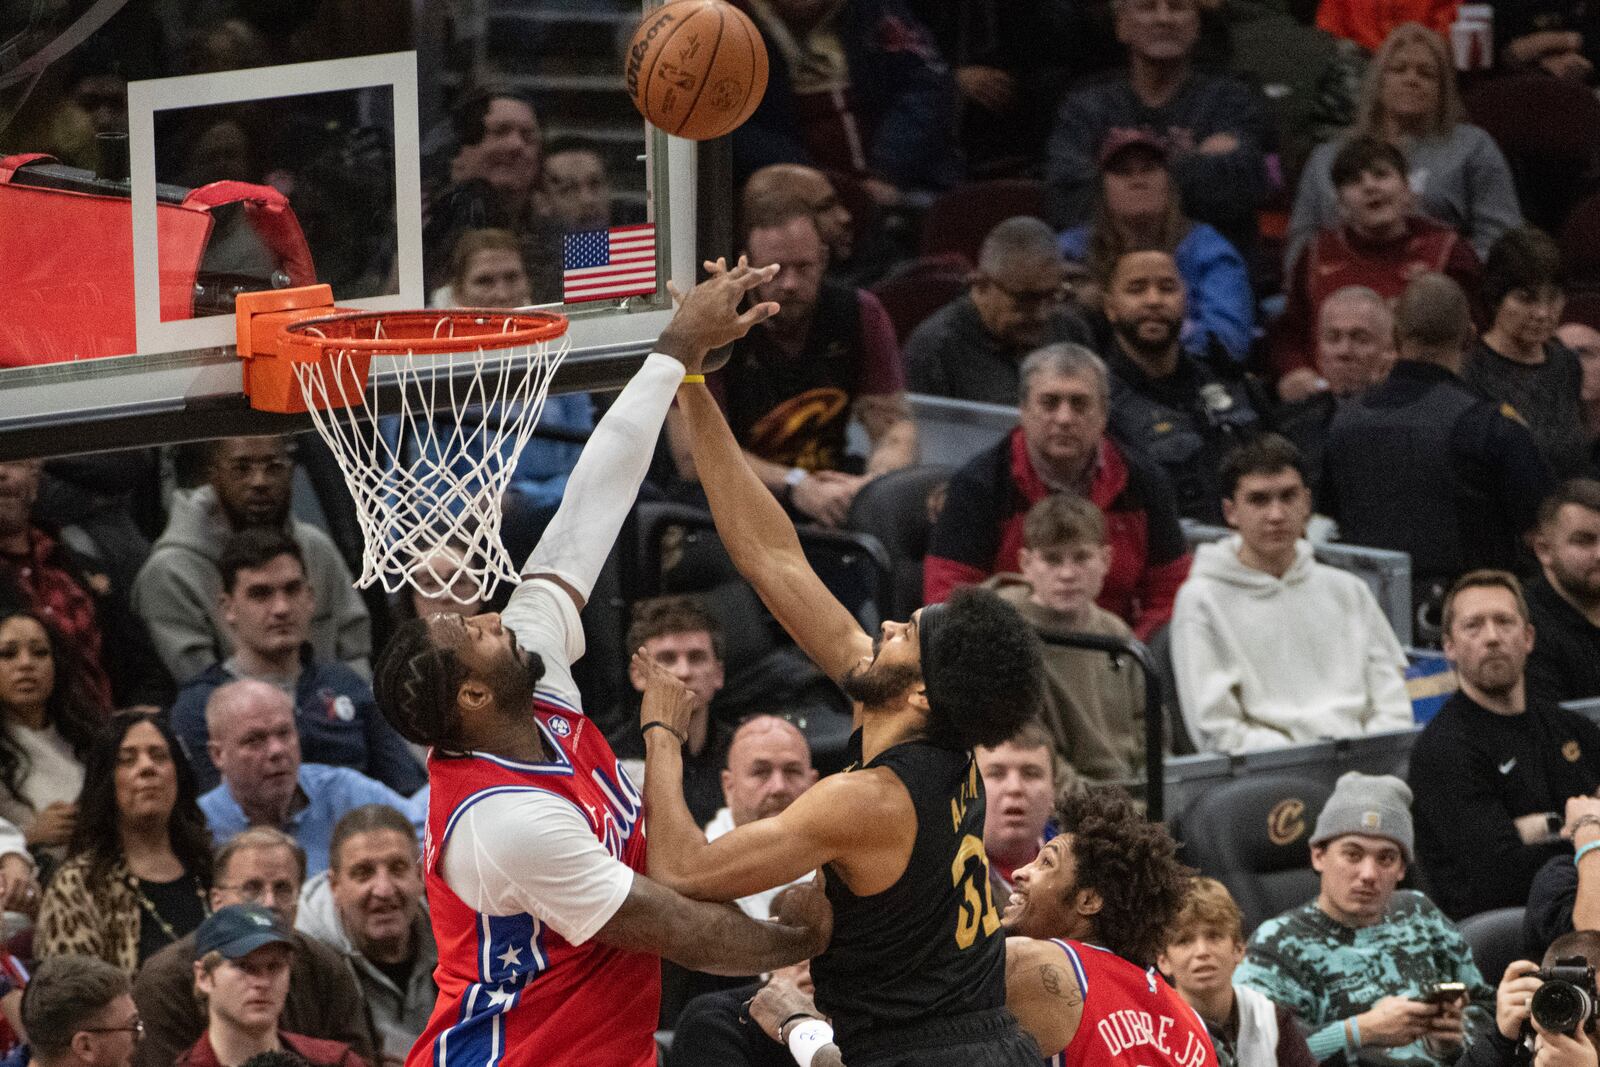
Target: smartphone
(1444,993)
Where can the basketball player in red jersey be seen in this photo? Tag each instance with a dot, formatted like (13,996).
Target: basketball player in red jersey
(1086,920)
(548,930)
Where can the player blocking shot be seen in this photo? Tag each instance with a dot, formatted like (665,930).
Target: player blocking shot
(915,972)
(548,929)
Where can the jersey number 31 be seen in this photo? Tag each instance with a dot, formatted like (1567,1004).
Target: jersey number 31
(970,872)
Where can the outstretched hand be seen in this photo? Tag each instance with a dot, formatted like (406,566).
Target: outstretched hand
(666,699)
(806,905)
(708,315)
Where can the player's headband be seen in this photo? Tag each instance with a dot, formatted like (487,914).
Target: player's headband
(929,624)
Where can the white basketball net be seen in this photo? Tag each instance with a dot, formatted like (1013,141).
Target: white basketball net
(428,475)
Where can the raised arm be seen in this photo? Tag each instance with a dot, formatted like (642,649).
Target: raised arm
(763,543)
(602,486)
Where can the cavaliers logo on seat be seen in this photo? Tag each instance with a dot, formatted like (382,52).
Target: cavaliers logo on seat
(1286,822)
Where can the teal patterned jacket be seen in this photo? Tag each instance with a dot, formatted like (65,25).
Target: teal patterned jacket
(1326,972)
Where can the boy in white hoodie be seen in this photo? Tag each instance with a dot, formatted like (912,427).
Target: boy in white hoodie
(1270,647)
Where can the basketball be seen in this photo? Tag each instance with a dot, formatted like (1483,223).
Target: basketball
(696,68)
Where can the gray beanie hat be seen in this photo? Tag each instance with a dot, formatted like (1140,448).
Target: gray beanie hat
(1377,805)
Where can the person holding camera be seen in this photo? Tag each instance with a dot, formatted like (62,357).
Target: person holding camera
(1545,1016)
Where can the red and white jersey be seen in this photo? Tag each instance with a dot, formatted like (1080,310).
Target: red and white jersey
(540,857)
(1131,1016)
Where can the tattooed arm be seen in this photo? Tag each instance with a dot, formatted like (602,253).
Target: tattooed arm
(1042,992)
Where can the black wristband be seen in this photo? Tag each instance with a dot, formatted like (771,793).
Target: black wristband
(663,726)
(792,1018)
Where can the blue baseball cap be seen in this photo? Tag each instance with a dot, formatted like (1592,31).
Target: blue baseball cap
(240,929)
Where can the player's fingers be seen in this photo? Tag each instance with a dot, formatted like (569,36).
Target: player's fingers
(674,292)
(760,313)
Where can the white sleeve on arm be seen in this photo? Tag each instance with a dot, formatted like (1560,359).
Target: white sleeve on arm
(602,487)
(531,852)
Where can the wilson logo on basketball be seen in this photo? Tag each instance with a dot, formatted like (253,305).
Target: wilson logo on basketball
(1286,822)
(641,45)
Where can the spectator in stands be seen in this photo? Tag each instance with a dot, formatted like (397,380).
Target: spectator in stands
(368,906)
(769,766)
(267,606)
(244,959)
(1518,360)
(1270,647)
(1585,341)
(1015,302)
(1019,779)
(1061,444)
(256,748)
(1093,705)
(1564,602)
(45,575)
(794,381)
(179,590)
(1422,443)
(494,182)
(1354,963)
(1556,37)
(1204,946)
(48,722)
(881,107)
(1138,208)
(782,190)
(1355,351)
(1214,125)
(1175,406)
(1565,894)
(1378,242)
(264,867)
(139,864)
(681,635)
(1516,1038)
(1455,169)
(1493,770)
(77,1013)
(574,185)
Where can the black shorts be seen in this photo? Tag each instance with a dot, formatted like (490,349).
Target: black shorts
(980,1039)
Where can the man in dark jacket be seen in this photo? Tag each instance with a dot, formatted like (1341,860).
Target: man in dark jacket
(1564,603)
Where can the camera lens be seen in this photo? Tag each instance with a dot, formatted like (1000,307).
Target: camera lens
(1560,1007)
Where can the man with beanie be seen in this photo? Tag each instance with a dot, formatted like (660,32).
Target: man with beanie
(1494,770)
(1358,963)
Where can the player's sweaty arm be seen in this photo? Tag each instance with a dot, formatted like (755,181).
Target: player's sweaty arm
(718,939)
(606,479)
(863,821)
(762,541)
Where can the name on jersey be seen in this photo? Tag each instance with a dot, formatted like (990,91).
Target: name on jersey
(968,793)
(1130,1029)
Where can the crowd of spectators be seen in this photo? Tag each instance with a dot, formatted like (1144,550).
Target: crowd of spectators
(1306,307)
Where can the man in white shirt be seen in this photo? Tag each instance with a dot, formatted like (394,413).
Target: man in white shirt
(548,930)
(1270,647)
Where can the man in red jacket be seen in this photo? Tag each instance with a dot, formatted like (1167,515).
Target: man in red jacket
(241,970)
(1061,444)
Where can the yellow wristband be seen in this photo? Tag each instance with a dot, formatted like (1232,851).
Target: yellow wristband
(694,379)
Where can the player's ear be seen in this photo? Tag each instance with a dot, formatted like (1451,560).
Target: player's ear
(919,699)
(473,695)
(1088,902)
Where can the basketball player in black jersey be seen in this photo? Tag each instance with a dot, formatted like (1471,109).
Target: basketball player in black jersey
(915,973)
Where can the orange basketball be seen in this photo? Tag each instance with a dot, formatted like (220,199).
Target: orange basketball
(696,68)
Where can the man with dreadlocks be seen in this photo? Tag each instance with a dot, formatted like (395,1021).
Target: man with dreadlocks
(915,973)
(548,929)
(1084,925)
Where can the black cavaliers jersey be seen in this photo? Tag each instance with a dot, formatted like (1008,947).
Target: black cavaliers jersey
(930,946)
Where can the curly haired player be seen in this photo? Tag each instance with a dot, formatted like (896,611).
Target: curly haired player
(1085,923)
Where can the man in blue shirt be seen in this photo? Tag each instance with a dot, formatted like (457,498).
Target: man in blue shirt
(256,747)
(267,604)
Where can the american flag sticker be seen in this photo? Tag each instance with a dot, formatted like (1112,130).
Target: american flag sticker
(605,264)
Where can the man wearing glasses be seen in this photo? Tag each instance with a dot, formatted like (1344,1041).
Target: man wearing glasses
(261,866)
(78,1013)
(245,959)
(178,592)
(1016,301)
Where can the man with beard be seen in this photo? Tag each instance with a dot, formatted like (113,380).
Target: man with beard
(973,347)
(1173,405)
(1493,771)
(1564,603)
(794,383)
(1085,924)
(179,590)
(915,972)
(549,933)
